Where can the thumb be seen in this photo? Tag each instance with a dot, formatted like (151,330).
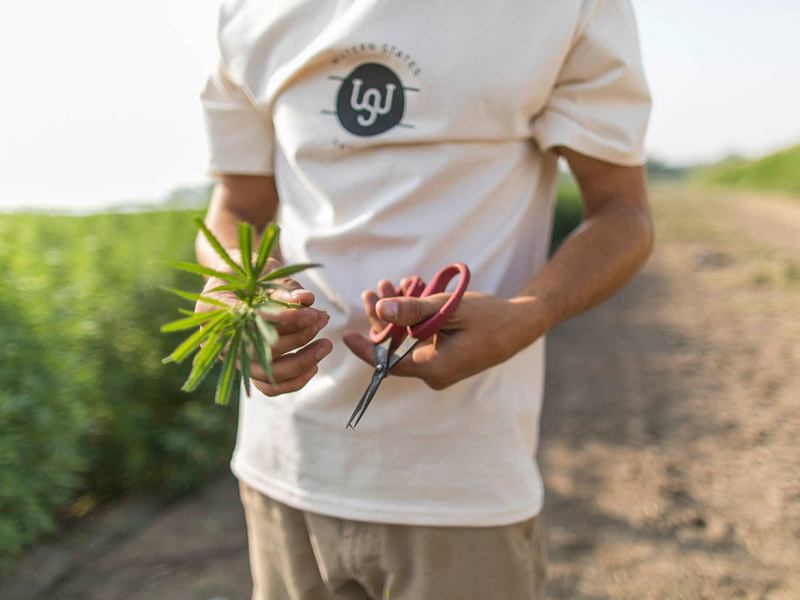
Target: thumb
(294,292)
(410,311)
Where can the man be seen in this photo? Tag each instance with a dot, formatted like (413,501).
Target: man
(390,139)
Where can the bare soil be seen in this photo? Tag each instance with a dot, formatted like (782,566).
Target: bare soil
(669,440)
(671,424)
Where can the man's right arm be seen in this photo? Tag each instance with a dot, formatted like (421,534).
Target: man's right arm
(254,199)
(249,198)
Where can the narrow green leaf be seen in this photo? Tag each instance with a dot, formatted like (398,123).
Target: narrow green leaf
(218,247)
(193,321)
(228,375)
(269,240)
(195,297)
(246,246)
(205,360)
(193,341)
(201,270)
(267,330)
(283,304)
(208,356)
(234,287)
(188,313)
(287,271)
(270,307)
(244,360)
(262,351)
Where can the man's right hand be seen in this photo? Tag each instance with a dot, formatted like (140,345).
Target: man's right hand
(291,368)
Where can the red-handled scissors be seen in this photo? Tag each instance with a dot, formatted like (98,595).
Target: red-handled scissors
(394,342)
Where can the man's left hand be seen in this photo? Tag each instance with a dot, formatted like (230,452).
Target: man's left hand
(483,331)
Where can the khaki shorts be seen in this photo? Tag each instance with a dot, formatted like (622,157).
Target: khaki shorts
(300,555)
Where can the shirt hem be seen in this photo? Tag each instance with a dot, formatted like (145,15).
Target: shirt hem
(423,515)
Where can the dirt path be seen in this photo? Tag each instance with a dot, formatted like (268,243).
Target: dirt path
(670,431)
(670,439)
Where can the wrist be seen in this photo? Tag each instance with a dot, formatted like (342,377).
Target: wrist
(532,319)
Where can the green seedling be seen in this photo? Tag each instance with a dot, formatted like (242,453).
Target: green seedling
(242,331)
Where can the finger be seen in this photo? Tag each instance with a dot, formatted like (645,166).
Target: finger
(409,311)
(295,293)
(227,297)
(291,320)
(369,298)
(293,365)
(360,346)
(418,363)
(292,341)
(284,387)
(386,289)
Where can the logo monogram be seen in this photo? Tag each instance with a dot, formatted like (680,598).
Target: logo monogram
(370,100)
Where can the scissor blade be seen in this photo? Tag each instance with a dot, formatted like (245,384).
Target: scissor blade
(362,405)
(400,352)
(381,359)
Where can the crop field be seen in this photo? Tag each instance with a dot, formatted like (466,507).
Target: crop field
(87,410)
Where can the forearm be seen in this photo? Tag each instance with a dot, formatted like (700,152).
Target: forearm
(235,199)
(592,264)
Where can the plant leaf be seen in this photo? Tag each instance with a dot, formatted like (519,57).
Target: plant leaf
(246,246)
(188,313)
(263,353)
(205,360)
(233,287)
(244,359)
(193,341)
(268,306)
(283,305)
(201,270)
(287,270)
(193,321)
(195,297)
(218,247)
(269,239)
(267,330)
(228,375)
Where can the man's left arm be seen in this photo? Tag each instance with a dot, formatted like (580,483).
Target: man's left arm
(611,244)
(596,260)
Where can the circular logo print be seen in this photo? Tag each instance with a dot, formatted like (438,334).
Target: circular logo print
(370,100)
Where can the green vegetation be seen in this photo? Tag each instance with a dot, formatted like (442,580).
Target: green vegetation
(87,409)
(569,210)
(659,171)
(779,172)
(242,329)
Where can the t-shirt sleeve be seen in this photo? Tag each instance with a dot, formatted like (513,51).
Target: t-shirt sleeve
(240,137)
(600,103)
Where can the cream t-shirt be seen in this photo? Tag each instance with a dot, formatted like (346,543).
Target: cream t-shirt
(403,136)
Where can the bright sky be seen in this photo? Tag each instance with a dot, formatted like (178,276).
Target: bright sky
(99,99)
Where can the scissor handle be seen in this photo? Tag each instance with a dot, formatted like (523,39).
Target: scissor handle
(413,287)
(438,284)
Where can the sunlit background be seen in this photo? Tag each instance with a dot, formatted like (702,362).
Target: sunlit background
(671,416)
(99,101)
